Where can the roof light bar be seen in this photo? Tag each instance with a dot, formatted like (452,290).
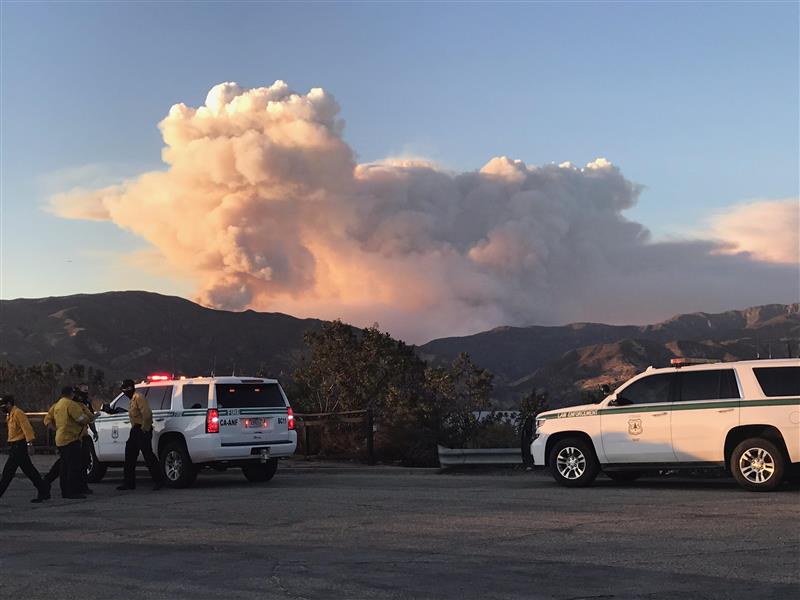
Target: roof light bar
(159,377)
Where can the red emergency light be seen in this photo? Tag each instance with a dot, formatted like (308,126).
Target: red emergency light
(159,377)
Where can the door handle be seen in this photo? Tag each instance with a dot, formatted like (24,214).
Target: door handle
(159,420)
(725,410)
(661,414)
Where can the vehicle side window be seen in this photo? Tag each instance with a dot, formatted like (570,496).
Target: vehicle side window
(159,396)
(122,403)
(715,384)
(195,396)
(648,390)
(779,381)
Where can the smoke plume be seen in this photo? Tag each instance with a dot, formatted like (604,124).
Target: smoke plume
(264,205)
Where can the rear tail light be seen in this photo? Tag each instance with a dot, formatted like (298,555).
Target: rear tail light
(291,418)
(212,421)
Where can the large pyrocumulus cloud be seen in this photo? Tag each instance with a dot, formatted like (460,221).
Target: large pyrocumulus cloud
(264,204)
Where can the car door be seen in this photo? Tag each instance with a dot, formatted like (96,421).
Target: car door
(252,412)
(706,408)
(113,430)
(159,398)
(635,426)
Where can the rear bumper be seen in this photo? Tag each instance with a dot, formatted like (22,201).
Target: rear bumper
(215,451)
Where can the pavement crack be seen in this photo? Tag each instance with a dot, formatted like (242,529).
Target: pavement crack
(273,577)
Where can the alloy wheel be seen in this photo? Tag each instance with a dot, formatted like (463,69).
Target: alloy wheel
(173,465)
(570,462)
(757,465)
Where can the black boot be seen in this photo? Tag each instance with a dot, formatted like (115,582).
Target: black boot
(44,494)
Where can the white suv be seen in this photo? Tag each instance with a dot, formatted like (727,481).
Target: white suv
(216,422)
(743,416)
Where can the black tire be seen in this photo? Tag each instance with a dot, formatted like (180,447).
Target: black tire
(176,466)
(96,470)
(573,463)
(793,474)
(758,465)
(623,476)
(260,472)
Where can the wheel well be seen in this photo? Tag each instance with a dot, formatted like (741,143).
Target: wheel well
(739,434)
(557,437)
(172,436)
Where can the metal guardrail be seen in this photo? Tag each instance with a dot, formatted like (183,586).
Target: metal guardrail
(306,422)
(454,457)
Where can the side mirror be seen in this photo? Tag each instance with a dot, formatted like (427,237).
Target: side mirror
(605,389)
(620,401)
(106,408)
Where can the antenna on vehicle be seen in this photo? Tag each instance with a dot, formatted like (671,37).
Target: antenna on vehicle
(214,365)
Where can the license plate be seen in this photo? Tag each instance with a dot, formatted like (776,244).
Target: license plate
(255,423)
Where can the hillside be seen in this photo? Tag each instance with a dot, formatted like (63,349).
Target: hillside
(130,334)
(571,359)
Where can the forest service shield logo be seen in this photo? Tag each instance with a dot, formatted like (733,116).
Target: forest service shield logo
(634,426)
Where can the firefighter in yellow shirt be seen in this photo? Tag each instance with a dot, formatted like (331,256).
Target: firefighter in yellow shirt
(69,418)
(20,435)
(139,440)
(81,395)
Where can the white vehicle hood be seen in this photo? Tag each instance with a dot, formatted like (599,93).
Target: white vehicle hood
(582,410)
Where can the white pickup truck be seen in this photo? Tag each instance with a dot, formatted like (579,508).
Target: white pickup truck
(743,416)
(216,422)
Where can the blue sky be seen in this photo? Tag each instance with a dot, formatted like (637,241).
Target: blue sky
(698,102)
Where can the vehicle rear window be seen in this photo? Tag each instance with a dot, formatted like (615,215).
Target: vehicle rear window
(247,395)
(714,384)
(779,381)
(195,395)
(648,390)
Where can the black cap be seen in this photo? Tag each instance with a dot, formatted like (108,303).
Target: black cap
(127,384)
(6,399)
(67,390)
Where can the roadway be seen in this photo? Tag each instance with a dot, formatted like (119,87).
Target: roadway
(384,533)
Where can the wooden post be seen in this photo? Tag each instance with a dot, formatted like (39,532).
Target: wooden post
(305,433)
(370,438)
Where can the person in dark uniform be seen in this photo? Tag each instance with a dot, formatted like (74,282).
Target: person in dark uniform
(81,395)
(20,436)
(140,439)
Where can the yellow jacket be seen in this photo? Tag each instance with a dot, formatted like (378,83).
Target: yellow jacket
(90,414)
(19,428)
(69,418)
(140,413)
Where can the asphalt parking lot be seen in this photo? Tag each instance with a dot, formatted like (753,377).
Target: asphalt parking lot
(383,533)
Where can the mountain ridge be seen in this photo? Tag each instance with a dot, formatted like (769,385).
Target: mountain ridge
(132,333)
